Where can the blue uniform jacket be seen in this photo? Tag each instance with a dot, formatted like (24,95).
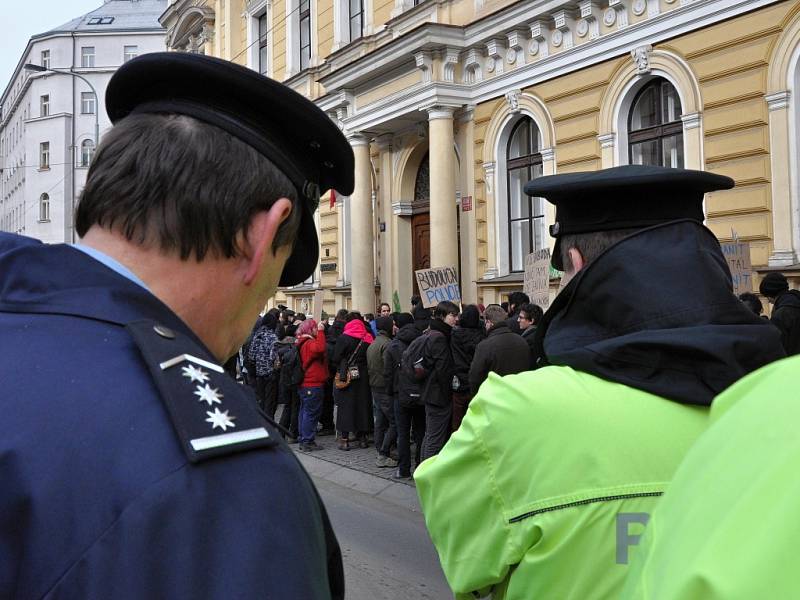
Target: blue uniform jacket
(129,466)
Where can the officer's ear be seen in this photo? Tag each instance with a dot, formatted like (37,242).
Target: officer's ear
(256,243)
(577,260)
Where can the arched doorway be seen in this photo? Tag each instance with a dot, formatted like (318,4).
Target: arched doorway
(421,220)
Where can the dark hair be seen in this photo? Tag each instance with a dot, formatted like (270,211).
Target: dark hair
(532,311)
(752,302)
(590,245)
(503,305)
(352,316)
(445,308)
(341,314)
(402,319)
(470,317)
(517,298)
(300,317)
(495,315)
(270,321)
(415,300)
(182,184)
(369,317)
(382,304)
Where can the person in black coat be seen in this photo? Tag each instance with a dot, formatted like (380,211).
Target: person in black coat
(409,415)
(464,339)
(515,301)
(785,310)
(354,402)
(502,352)
(438,387)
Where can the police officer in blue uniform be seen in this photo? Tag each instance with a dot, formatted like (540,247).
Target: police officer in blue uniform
(131,466)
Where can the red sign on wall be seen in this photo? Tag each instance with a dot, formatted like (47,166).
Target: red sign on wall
(466,203)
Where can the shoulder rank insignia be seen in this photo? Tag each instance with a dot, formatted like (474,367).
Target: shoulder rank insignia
(211,413)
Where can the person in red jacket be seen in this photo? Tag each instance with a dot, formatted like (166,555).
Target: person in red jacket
(314,359)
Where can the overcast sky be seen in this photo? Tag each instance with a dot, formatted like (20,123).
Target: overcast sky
(22,19)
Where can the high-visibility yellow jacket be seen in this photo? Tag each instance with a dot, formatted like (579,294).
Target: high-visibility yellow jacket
(729,525)
(547,486)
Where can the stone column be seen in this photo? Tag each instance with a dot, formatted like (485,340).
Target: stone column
(362,267)
(386,237)
(444,236)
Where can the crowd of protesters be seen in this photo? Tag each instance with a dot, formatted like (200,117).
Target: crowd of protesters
(399,394)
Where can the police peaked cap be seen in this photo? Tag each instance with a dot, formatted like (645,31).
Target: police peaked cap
(627,197)
(288,129)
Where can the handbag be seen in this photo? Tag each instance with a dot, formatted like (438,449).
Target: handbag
(351,371)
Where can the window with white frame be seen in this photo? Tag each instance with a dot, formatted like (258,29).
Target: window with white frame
(263,53)
(44,155)
(655,129)
(44,105)
(304,14)
(356,19)
(129,53)
(44,208)
(87,152)
(87,103)
(87,57)
(525,214)
(45,59)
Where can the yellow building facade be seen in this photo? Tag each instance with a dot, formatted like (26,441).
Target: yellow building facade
(452,105)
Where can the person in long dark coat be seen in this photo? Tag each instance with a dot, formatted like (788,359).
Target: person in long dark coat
(353,403)
(463,341)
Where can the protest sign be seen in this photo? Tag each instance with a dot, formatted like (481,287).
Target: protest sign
(737,255)
(319,298)
(537,278)
(437,285)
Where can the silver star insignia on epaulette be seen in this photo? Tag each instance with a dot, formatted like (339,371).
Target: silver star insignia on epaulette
(195,374)
(220,419)
(207,394)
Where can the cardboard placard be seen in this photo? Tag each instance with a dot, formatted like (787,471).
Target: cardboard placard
(319,297)
(537,277)
(737,255)
(437,285)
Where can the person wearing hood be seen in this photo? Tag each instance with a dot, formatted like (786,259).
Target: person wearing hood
(353,402)
(785,310)
(502,352)
(406,414)
(545,488)
(314,362)
(385,431)
(465,338)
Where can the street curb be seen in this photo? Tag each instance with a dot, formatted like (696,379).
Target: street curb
(399,494)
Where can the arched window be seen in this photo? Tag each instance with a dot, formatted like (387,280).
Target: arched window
(87,152)
(655,130)
(44,207)
(525,214)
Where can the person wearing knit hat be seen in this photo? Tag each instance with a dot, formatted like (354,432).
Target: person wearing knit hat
(785,309)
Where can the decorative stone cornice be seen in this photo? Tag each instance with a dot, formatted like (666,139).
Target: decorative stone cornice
(424,61)
(591,14)
(607,140)
(617,13)
(402,209)
(692,121)
(449,62)
(563,26)
(439,111)
(538,45)
(517,40)
(357,139)
(778,100)
(495,53)
(488,179)
(473,72)
(548,154)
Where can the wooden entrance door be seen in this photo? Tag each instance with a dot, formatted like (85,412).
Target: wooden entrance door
(421,244)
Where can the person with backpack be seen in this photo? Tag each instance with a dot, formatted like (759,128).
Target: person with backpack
(385,430)
(405,395)
(351,384)
(437,391)
(261,362)
(314,363)
(290,375)
(464,339)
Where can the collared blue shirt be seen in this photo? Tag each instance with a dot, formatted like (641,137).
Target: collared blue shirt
(110,263)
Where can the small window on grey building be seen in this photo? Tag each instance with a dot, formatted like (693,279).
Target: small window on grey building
(44,105)
(87,103)
(45,61)
(87,152)
(129,53)
(44,208)
(44,155)
(87,57)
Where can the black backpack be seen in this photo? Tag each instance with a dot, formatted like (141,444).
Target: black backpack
(415,368)
(288,363)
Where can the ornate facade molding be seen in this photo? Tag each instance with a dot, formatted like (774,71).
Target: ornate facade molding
(641,56)
(424,62)
(512,98)
(778,100)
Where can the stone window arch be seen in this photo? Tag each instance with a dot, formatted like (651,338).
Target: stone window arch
(783,102)
(499,179)
(631,78)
